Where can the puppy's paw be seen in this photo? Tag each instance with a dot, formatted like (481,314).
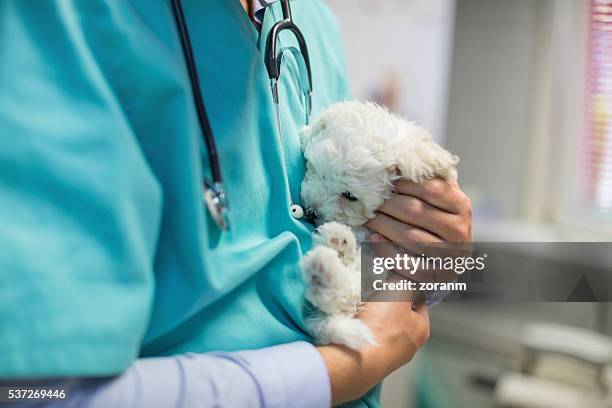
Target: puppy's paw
(422,158)
(445,164)
(339,237)
(323,273)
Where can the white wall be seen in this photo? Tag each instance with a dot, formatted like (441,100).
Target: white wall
(410,37)
(495,55)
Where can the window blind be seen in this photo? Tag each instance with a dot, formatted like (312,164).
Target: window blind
(597,152)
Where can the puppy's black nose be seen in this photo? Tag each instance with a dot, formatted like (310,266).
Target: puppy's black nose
(310,213)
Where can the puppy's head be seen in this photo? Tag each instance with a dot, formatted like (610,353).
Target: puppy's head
(355,151)
(348,176)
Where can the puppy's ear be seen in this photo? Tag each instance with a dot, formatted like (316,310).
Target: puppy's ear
(310,132)
(305,136)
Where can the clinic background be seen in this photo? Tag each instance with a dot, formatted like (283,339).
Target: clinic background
(521,90)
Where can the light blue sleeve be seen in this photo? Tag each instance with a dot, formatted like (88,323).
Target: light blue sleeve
(80,208)
(289,375)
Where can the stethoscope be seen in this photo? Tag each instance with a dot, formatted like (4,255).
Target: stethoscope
(213,193)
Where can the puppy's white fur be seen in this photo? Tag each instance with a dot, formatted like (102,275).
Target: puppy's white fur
(354,153)
(332,270)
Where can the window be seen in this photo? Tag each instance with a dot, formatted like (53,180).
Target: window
(597,152)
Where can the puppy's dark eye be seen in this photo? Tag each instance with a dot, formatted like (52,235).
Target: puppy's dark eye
(349,196)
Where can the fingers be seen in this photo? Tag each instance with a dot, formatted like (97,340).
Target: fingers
(416,212)
(384,247)
(399,232)
(422,310)
(438,193)
(377,238)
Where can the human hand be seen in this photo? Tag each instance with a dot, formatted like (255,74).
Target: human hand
(399,330)
(432,212)
(424,218)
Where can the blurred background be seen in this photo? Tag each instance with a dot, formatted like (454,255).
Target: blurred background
(521,90)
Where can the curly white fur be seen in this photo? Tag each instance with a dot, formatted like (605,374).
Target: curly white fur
(355,151)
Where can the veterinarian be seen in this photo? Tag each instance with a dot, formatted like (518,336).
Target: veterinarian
(115,282)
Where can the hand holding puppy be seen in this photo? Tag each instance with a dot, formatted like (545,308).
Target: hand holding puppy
(399,331)
(431,212)
(362,160)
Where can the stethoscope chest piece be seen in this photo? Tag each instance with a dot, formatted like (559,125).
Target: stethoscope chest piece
(214,198)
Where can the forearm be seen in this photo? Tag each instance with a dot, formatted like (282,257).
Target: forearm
(352,373)
(343,365)
(400,331)
(287,375)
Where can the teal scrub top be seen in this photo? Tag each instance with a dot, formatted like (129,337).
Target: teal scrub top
(106,250)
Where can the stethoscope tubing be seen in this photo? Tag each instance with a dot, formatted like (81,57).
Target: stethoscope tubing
(213,193)
(207,133)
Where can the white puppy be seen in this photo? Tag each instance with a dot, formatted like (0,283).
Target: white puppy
(355,152)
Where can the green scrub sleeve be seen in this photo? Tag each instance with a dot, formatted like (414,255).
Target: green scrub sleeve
(79,206)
